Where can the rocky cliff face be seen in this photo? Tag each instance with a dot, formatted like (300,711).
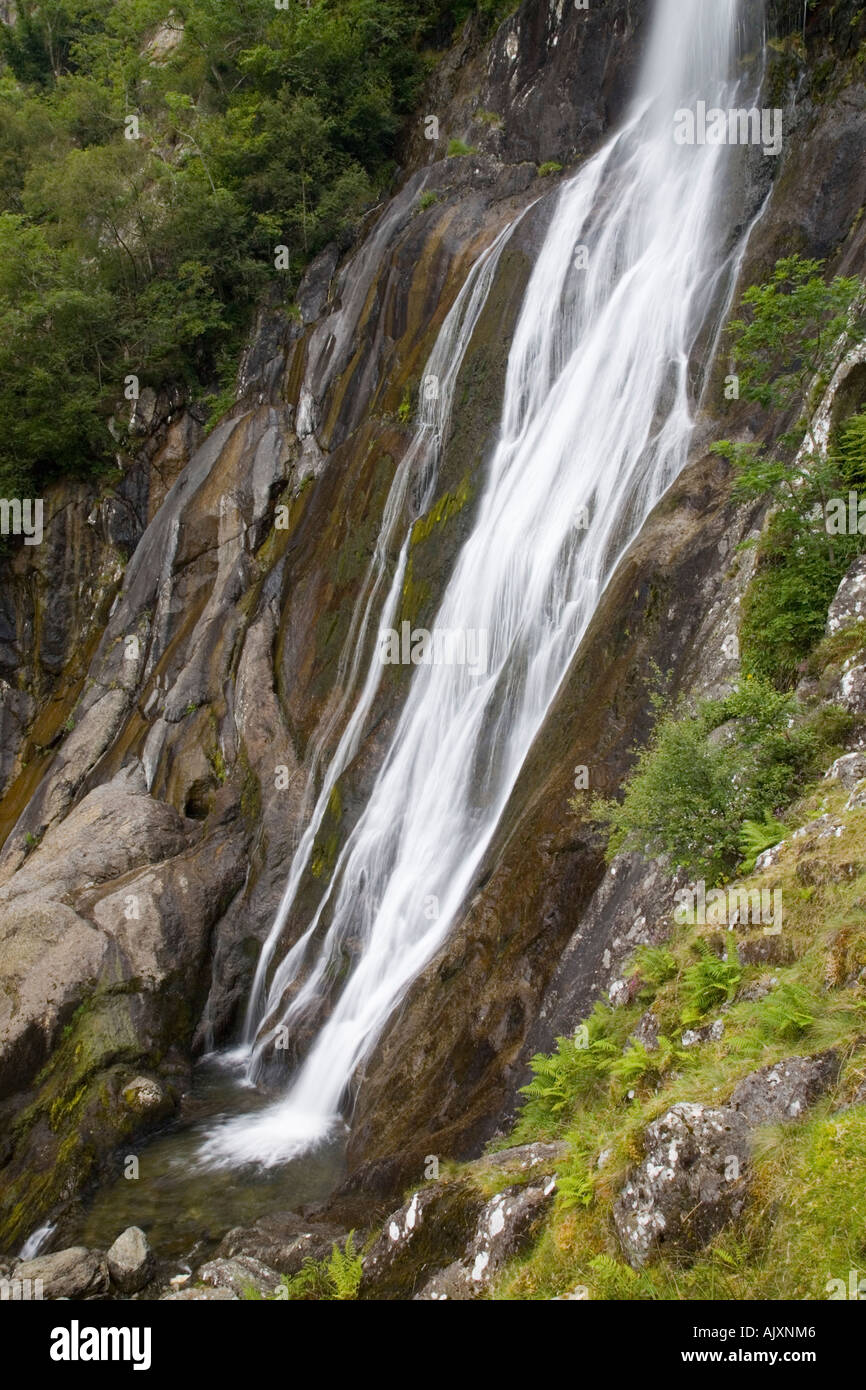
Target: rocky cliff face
(175,658)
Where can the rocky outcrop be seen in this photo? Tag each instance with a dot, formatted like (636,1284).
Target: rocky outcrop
(447,1241)
(694,1178)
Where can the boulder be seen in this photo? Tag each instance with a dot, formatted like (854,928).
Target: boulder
(73,1273)
(689,1185)
(849,770)
(130,1261)
(506,1224)
(280,1242)
(849,604)
(424,1235)
(694,1178)
(240,1275)
(784,1091)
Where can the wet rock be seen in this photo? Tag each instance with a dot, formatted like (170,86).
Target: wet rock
(689,1185)
(130,1260)
(73,1273)
(147,1096)
(282,1242)
(312,293)
(240,1274)
(786,1090)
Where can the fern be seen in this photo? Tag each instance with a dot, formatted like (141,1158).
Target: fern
(787,1013)
(655,965)
(576,1190)
(564,1076)
(636,1064)
(708,983)
(756,836)
(617,1280)
(345,1268)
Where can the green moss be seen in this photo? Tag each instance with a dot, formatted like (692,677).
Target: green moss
(251,792)
(446,506)
(550,166)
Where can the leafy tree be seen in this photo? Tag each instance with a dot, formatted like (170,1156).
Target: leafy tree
(257,127)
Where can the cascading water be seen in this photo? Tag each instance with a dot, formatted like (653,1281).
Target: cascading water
(596,424)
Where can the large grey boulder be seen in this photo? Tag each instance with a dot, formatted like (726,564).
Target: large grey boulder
(690,1184)
(130,1260)
(73,1273)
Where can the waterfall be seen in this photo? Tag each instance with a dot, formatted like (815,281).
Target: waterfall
(595,425)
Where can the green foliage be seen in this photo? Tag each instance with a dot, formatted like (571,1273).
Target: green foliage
(655,965)
(456,148)
(785,344)
(704,774)
(756,836)
(345,1268)
(427,200)
(337,1278)
(788,1012)
(550,166)
(257,127)
(636,1064)
(707,983)
(573,1070)
(787,330)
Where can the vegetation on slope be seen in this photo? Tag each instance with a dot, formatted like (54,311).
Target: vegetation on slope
(153,157)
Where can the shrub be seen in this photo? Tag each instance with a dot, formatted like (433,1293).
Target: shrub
(707,772)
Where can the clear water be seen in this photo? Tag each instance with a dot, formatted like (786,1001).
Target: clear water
(185,1211)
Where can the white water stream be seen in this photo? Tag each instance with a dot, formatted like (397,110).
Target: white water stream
(596,423)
